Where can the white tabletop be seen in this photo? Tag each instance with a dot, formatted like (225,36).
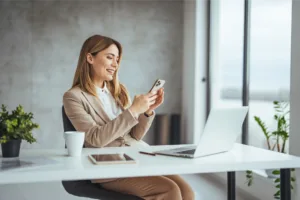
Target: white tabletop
(240,158)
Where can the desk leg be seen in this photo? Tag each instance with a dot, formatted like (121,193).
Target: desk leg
(230,185)
(285,184)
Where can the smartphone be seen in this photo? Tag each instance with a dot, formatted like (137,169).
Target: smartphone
(117,158)
(159,83)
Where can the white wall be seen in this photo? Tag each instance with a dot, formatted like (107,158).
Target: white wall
(194,69)
(295,92)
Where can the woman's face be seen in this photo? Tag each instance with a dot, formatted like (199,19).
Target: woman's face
(105,63)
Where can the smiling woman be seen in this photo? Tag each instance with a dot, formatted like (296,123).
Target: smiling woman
(99,105)
(104,63)
(99,63)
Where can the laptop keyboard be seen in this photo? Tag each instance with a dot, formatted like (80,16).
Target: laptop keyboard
(191,151)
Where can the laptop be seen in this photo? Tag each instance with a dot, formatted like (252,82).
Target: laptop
(223,127)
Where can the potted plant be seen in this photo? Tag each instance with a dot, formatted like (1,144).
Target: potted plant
(15,127)
(276,141)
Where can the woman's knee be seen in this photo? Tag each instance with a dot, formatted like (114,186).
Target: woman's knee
(187,193)
(173,191)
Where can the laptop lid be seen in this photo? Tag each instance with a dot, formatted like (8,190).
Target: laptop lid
(223,127)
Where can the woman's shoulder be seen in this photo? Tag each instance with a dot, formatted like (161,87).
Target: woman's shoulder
(73,92)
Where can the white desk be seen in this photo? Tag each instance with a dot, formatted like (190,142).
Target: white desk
(240,158)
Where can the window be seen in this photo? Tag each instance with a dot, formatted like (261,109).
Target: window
(226,68)
(269,60)
(268,55)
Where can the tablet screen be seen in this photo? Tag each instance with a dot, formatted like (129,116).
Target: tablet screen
(111,157)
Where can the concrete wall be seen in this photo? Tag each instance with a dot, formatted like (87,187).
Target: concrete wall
(41,41)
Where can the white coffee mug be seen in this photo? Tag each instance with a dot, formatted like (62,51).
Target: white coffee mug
(74,141)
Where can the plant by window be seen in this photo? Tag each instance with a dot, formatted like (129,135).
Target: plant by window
(276,140)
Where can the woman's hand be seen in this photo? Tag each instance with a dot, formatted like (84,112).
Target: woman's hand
(142,103)
(158,102)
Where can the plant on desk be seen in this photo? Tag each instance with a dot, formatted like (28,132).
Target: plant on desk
(276,141)
(15,127)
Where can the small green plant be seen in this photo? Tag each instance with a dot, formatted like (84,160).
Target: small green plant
(276,140)
(249,176)
(16,125)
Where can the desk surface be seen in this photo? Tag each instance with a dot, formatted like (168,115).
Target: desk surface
(240,158)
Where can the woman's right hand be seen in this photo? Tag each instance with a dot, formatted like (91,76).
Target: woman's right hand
(142,103)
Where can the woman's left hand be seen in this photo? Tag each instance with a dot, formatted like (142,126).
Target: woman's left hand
(158,101)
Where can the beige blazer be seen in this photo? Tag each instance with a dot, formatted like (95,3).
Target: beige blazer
(86,113)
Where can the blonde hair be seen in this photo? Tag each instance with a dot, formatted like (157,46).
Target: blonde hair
(83,74)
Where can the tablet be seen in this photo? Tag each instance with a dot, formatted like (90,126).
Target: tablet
(117,158)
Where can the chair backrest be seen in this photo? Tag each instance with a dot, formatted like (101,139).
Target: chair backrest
(68,126)
(67,123)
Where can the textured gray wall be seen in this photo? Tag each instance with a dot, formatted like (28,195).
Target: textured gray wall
(40,43)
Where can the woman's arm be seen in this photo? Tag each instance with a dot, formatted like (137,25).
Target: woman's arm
(96,135)
(140,130)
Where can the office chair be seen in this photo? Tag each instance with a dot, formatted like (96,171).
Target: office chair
(85,188)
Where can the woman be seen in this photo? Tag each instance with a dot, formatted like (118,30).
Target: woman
(100,106)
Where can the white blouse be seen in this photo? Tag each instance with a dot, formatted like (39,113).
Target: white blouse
(110,106)
(113,110)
